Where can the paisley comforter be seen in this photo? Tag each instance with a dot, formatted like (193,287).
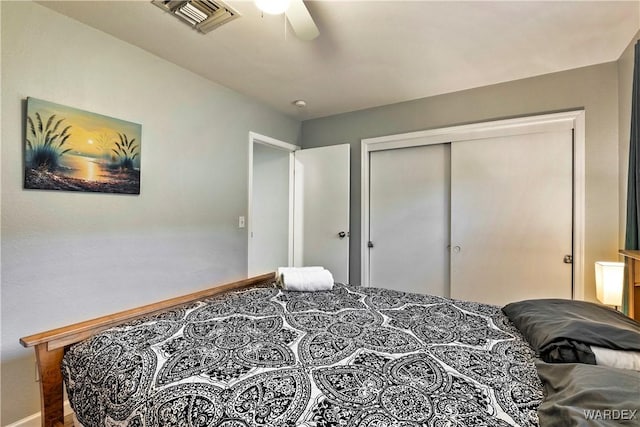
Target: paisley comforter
(349,357)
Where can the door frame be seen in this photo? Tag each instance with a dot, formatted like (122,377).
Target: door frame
(256,138)
(537,123)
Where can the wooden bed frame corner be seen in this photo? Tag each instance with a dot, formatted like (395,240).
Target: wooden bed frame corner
(50,346)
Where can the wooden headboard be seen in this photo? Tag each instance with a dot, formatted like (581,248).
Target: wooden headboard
(51,345)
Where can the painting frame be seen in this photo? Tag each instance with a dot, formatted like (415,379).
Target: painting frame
(69,149)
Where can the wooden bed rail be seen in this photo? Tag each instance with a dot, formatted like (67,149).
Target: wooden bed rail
(51,345)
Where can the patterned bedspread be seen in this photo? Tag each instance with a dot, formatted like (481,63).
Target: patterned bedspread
(354,356)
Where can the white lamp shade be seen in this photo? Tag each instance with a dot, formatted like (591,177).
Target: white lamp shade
(609,282)
(273,7)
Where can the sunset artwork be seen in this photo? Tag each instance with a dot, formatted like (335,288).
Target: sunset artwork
(73,150)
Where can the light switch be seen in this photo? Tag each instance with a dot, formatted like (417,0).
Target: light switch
(240,222)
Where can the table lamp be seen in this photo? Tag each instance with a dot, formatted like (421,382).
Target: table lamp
(609,282)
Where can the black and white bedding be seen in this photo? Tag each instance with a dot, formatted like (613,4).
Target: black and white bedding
(348,357)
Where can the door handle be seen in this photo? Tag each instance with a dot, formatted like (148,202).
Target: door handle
(342,234)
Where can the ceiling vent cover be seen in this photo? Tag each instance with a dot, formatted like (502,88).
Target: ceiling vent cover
(203,15)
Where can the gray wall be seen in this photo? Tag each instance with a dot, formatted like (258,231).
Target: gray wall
(67,257)
(625,88)
(593,88)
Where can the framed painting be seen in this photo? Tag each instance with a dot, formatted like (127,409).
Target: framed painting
(74,150)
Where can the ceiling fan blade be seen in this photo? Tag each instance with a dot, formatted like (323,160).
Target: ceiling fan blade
(301,21)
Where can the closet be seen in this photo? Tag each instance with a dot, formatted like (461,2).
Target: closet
(487,215)
(409,219)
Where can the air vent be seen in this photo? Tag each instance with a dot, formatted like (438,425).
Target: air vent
(203,15)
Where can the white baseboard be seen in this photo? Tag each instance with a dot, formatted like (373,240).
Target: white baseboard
(35,419)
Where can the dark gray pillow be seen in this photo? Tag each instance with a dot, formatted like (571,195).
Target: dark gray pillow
(562,330)
(586,395)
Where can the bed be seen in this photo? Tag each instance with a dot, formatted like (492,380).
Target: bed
(249,354)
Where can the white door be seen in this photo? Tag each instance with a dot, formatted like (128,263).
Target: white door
(409,219)
(321,218)
(511,217)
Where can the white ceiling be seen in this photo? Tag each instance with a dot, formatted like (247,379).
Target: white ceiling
(373,53)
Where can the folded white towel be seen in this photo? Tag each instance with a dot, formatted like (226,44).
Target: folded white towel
(307,280)
(282,270)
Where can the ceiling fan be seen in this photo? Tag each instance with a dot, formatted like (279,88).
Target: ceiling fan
(297,14)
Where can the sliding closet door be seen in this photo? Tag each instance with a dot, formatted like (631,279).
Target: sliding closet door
(511,217)
(409,219)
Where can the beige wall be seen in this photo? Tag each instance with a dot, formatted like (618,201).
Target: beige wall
(67,256)
(625,88)
(593,88)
